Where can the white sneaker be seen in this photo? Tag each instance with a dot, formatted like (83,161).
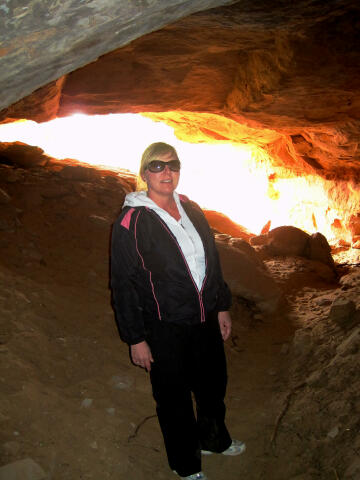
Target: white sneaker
(196,476)
(236,448)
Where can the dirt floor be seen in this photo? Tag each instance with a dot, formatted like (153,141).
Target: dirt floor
(72,401)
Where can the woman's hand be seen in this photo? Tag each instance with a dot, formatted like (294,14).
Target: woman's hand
(225,324)
(141,355)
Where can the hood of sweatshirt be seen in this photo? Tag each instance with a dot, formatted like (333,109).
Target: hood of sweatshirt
(140,199)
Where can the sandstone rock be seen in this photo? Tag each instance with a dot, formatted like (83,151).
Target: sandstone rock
(320,250)
(78,173)
(323,301)
(25,469)
(12,175)
(259,76)
(302,343)
(55,191)
(87,28)
(342,243)
(351,280)
(287,240)
(222,237)
(23,155)
(318,379)
(259,240)
(224,224)
(342,312)
(247,279)
(351,344)
(245,247)
(354,225)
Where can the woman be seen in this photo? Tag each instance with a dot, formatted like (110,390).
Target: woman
(171,306)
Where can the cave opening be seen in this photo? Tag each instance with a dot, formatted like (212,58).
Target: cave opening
(238,180)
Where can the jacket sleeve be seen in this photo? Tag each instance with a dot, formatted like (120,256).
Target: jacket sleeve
(224,295)
(124,270)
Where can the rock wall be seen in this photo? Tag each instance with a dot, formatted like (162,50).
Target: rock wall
(285,77)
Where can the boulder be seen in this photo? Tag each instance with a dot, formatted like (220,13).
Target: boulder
(287,240)
(224,224)
(320,250)
(248,279)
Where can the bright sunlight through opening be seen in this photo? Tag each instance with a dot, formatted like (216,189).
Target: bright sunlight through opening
(234,180)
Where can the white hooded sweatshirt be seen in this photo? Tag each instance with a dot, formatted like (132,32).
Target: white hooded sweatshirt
(183,230)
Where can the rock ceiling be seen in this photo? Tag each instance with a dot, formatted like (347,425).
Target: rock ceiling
(282,75)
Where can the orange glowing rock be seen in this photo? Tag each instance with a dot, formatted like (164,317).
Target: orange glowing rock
(224,224)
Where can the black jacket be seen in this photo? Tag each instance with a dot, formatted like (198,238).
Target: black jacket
(150,278)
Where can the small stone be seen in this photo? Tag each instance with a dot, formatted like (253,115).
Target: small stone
(86,403)
(94,445)
(11,448)
(334,432)
(110,411)
(342,312)
(121,383)
(323,301)
(285,349)
(25,469)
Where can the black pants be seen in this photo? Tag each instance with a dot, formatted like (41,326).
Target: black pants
(189,359)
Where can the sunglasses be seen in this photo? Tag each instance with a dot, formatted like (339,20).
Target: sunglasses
(157,166)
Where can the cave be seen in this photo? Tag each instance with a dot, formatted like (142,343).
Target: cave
(279,78)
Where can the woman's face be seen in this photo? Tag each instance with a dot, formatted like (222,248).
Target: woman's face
(165,182)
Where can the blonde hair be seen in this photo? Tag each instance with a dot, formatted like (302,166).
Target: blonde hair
(152,152)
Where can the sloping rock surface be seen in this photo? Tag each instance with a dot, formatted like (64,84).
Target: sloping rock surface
(283,76)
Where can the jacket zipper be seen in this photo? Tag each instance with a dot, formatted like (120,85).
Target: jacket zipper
(199,292)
